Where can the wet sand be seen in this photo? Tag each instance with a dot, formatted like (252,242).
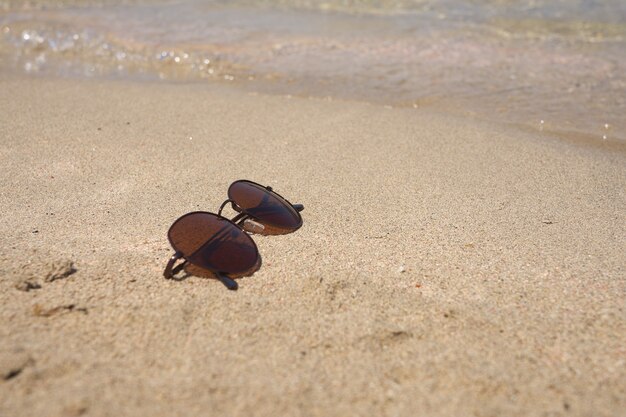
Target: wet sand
(445,267)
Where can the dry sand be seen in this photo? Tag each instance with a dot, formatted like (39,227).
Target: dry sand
(446,267)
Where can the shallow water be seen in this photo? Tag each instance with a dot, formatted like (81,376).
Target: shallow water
(554,65)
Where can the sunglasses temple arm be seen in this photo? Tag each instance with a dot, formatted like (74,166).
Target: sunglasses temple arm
(171,271)
(167,273)
(228,282)
(298,207)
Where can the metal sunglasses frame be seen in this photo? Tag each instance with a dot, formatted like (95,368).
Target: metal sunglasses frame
(238,221)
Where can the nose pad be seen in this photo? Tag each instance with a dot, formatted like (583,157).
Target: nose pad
(251,226)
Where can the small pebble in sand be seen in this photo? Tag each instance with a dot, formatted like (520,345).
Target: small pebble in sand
(27,285)
(401,269)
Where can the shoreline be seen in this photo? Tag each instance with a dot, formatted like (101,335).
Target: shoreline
(549,132)
(446,266)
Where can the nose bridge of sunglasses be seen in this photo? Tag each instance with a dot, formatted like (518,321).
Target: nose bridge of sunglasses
(242,219)
(233,204)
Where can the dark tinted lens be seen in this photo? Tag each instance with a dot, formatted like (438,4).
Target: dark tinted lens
(265,206)
(213,243)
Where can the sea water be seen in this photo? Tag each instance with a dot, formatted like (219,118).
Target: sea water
(557,65)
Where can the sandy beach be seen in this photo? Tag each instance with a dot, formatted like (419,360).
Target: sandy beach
(446,266)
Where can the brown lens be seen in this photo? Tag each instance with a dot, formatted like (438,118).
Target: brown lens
(265,206)
(213,242)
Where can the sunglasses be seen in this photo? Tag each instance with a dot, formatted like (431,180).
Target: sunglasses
(213,246)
